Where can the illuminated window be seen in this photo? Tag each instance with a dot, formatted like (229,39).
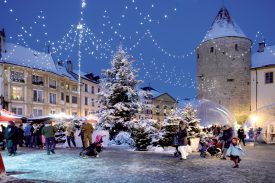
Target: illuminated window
(16,93)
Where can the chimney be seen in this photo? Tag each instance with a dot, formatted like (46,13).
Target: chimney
(261,46)
(2,41)
(60,63)
(69,66)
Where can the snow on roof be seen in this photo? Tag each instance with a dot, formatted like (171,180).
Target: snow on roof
(223,26)
(26,57)
(261,59)
(21,56)
(63,71)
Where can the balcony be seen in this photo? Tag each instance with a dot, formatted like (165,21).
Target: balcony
(18,80)
(53,86)
(41,83)
(38,100)
(18,98)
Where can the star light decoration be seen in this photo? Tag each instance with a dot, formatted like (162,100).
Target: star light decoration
(82,36)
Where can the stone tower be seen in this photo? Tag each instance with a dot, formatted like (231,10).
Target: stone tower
(223,66)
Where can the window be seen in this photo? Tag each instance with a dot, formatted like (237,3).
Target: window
(37,112)
(74,113)
(93,90)
(86,101)
(37,80)
(17,76)
(236,47)
(17,110)
(86,88)
(268,77)
(211,49)
(198,56)
(74,88)
(157,113)
(230,80)
(93,102)
(86,113)
(98,90)
(67,86)
(52,112)
(16,93)
(52,98)
(52,84)
(62,85)
(67,98)
(74,100)
(38,96)
(62,96)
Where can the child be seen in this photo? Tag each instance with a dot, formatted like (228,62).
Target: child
(235,151)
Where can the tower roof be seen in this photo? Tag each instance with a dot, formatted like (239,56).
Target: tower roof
(223,26)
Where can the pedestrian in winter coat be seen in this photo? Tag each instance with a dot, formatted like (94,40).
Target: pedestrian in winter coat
(227,138)
(235,151)
(11,135)
(48,131)
(241,135)
(182,140)
(70,131)
(87,130)
(20,135)
(28,134)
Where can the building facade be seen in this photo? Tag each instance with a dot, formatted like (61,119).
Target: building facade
(31,84)
(262,77)
(223,66)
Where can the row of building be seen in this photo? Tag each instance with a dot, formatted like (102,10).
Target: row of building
(33,85)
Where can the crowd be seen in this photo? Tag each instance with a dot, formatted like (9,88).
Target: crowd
(222,143)
(41,136)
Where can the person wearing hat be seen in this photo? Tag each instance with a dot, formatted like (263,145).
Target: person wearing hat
(227,138)
(182,140)
(11,135)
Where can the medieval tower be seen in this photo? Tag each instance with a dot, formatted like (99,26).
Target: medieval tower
(223,66)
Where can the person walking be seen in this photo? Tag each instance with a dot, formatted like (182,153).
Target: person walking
(227,138)
(20,136)
(87,130)
(70,131)
(28,134)
(182,140)
(235,151)
(11,135)
(241,135)
(48,131)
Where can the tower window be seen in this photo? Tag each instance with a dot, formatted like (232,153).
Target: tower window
(198,56)
(211,49)
(268,77)
(236,47)
(230,80)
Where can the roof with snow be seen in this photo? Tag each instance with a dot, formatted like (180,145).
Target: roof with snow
(223,26)
(26,57)
(265,58)
(87,76)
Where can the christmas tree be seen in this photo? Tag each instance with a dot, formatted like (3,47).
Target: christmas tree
(170,128)
(189,115)
(118,97)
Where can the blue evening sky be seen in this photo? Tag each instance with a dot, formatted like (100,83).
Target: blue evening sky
(176,26)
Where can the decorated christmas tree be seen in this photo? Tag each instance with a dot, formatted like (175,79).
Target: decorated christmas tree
(170,128)
(118,97)
(189,115)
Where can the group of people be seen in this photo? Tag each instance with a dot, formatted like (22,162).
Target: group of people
(42,136)
(230,145)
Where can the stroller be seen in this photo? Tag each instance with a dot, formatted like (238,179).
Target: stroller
(209,147)
(94,149)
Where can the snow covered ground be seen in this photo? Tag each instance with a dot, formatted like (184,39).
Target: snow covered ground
(117,164)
